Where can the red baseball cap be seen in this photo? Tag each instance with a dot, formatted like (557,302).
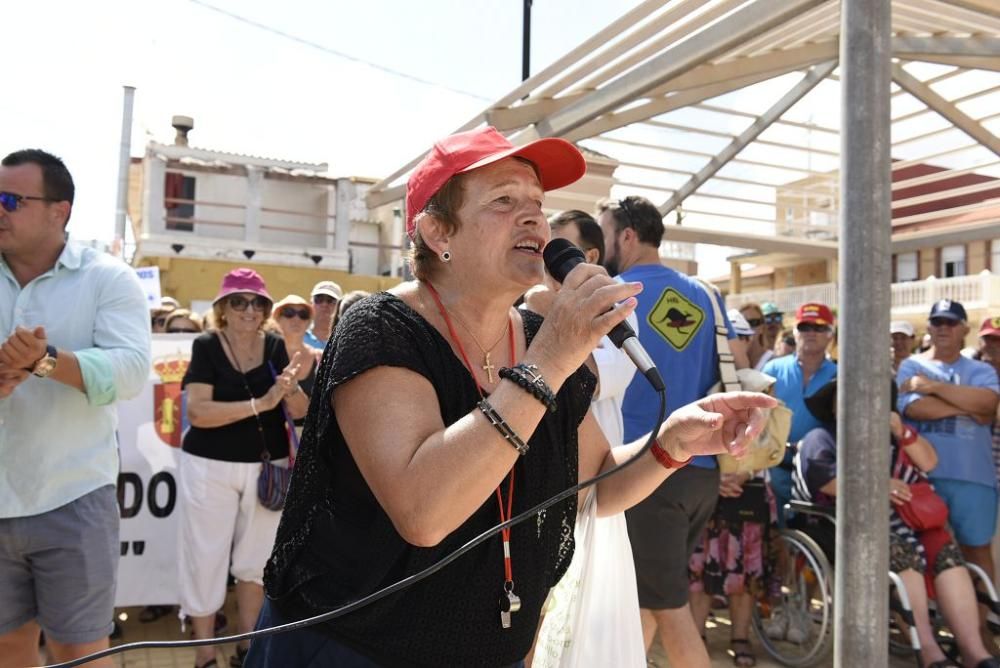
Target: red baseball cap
(558,162)
(990,327)
(814,312)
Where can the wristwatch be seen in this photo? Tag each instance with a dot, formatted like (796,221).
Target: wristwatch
(47,364)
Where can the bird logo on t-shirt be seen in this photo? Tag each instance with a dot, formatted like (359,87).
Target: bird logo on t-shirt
(676,318)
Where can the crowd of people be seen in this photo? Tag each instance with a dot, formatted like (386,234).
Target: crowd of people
(443,407)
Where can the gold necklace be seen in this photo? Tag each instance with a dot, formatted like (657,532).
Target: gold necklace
(487,364)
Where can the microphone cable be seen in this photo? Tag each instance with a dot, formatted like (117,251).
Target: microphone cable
(390,589)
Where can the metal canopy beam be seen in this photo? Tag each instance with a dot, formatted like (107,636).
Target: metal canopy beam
(950,112)
(714,41)
(799,91)
(766,243)
(648,110)
(971,52)
(987,7)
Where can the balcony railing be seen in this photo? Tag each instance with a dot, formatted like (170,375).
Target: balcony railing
(979,291)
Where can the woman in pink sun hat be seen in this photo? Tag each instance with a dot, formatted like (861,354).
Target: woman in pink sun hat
(233,405)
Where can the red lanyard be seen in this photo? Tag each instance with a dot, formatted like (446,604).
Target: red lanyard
(505,514)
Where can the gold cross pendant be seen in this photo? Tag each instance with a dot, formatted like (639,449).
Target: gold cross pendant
(488,367)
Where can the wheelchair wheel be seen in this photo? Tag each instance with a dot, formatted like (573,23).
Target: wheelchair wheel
(799,630)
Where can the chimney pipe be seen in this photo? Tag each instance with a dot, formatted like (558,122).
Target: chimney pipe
(183,125)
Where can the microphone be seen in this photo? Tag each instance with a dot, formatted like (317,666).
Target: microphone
(560,257)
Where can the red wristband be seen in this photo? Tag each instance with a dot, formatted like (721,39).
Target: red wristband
(908,437)
(666,461)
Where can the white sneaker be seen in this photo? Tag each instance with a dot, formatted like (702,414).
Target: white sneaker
(799,624)
(777,626)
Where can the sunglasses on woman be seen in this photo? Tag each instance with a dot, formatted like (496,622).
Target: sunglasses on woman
(182,330)
(755,322)
(238,303)
(773,318)
(290,312)
(11,202)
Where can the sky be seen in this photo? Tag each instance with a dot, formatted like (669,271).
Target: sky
(258,92)
(362,86)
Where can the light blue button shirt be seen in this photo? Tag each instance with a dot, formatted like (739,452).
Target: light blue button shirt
(57,443)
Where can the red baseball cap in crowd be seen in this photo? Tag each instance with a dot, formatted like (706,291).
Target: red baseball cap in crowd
(558,162)
(990,327)
(815,312)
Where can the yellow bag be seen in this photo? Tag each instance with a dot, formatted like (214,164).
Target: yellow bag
(769,448)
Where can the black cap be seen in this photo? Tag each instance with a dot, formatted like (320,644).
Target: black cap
(946,308)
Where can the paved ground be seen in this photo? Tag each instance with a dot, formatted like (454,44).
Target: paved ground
(168,628)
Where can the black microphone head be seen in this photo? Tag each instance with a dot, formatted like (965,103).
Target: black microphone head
(560,257)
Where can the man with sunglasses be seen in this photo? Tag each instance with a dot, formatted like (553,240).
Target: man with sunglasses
(326,297)
(77,340)
(677,328)
(951,400)
(797,377)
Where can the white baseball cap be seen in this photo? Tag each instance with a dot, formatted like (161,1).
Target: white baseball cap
(901,327)
(739,323)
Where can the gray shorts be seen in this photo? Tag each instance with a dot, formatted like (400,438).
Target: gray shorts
(59,568)
(664,529)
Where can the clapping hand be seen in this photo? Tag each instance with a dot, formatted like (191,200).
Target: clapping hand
(720,423)
(23,348)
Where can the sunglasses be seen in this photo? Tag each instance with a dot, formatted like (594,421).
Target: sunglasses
(944,322)
(238,303)
(182,330)
(12,202)
(773,318)
(811,327)
(755,322)
(324,299)
(624,205)
(159,322)
(290,312)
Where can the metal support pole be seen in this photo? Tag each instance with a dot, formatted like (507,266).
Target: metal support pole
(124,157)
(861,581)
(526,42)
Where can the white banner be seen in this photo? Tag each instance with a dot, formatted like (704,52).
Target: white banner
(149,277)
(149,438)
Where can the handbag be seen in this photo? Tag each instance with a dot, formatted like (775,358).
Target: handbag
(273,480)
(925,510)
(769,448)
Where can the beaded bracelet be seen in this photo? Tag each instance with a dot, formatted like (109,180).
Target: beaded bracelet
(501,426)
(527,376)
(666,461)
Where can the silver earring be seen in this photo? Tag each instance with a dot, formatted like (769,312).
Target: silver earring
(446,256)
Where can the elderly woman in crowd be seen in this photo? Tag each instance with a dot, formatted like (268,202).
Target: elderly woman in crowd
(443,410)
(919,558)
(236,380)
(182,321)
(292,314)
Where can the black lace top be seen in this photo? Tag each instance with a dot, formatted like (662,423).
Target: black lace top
(335,543)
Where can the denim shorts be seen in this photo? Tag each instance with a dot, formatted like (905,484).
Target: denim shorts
(59,568)
(972,510)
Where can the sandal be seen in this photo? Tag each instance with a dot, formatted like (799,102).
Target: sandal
(742,657)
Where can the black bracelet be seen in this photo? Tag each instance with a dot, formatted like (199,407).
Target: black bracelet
(531,381)
(501,426)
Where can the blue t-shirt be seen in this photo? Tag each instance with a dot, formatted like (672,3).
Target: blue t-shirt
(311,340)
(789,388)
(964,446)
(677,329)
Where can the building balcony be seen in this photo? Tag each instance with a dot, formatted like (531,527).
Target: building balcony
(913,298)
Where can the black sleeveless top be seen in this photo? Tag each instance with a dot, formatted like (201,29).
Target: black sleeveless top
(335,543)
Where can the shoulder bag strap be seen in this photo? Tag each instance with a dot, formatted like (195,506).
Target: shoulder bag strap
(727,367)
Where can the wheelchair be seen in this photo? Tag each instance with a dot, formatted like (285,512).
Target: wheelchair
(807,599)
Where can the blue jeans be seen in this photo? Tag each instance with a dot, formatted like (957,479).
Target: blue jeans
(303,648)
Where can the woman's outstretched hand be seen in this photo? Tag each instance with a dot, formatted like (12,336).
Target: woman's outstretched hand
(720,423)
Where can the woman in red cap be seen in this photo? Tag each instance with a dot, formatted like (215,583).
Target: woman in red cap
(440,410)
(233,407)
